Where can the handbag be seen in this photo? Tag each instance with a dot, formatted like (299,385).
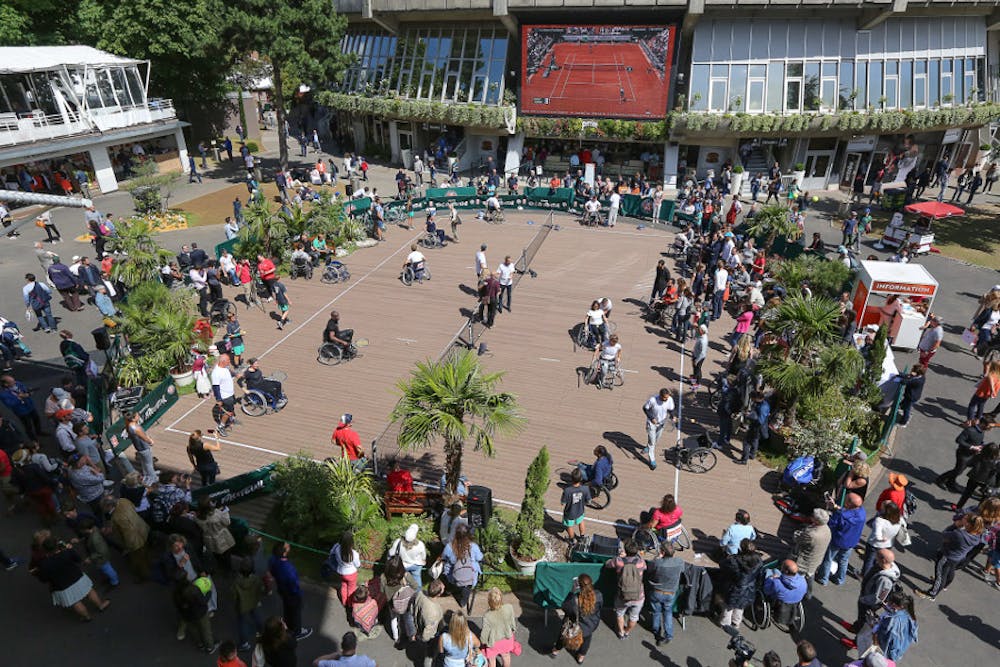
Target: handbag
(571,635)
(969,336)
(257,659)
(903,537)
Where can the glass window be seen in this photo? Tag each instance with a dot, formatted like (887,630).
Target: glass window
(947,89)
(875,84)
(828,93)
(794,69)
(846,85)
(811,87)
(135,85)
(737,87)
(718,98)
(760,38)
(970,79)
(755,96)
(758,71)
(698,97)
(981,79)
(861,100)
(920,91)
(891,92)
(905,84)
(775,83)
(796,42)
(933,81)
(793,95)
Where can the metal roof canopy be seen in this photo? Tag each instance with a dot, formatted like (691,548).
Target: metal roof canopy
(24,59)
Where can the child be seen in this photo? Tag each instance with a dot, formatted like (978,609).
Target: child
(575,498)
(228,656)
(364,613)
(97,549)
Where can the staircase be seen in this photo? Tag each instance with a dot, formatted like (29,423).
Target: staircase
(757,163)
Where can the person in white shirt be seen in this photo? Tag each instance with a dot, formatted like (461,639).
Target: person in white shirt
(505,274)
(416,260)
(225,400)
(74,268)
(481,261)
(492,207)
(595,324)
(721,280)
(614,202)
(607,354)
(411,551)
(657,202)
(591,211)
(228,266)
(658,409)
(418,170)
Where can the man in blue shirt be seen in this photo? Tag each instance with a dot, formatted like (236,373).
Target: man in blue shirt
(757,429)
(846,525)
(785,588)
(849,229)
(347,657)
(286,580)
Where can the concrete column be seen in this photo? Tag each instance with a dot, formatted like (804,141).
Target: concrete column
(182,150)
(515,147)
(394,142)
(670,155)
(359,136)
(103,170)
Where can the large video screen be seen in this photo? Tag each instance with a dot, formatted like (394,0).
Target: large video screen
(596,70)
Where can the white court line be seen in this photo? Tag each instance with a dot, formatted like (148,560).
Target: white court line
(310,319)
(407,340)
(569,75)
(548,359)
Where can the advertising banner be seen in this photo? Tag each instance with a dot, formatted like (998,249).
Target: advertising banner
(152,406)
(596,70)
(237,489)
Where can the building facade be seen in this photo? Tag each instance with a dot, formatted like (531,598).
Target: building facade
(833,86)
(69,108)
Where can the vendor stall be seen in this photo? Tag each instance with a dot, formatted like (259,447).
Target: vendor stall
(897,295)
(917,235)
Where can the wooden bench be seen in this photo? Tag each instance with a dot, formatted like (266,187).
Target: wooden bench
(412,502)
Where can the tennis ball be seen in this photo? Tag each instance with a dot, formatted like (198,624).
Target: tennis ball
(815,197)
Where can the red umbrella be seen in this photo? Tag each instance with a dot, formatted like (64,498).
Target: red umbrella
(934,209)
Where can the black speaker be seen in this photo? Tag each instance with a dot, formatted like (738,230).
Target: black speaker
(480,504)
(605,546)
(101,338)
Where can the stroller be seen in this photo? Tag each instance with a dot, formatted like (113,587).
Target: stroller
(12,345)
(800,482)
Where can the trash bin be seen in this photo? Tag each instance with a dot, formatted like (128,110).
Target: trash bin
(480,504)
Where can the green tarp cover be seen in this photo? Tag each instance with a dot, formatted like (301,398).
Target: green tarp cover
(457,194)
(554,581)
(560,196)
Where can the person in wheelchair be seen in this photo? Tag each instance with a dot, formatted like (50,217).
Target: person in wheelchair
(334,334)
(254,379)
(416,261)
(596,473)
(784,588)
(433,233)
(301,260)
(493,208)
(592,211)
(667,515)
(609,356)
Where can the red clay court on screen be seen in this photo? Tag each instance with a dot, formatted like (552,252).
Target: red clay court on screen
(609,71)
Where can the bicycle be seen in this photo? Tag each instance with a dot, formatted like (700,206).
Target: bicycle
(697,460)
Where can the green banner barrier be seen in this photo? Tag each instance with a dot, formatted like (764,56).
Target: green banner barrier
(97,404)
(554,582)
(237,489)
(561,198)
(229,245)
(357,205)
(152,406)
(451,193)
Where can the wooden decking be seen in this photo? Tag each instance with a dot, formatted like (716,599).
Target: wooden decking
(533,345)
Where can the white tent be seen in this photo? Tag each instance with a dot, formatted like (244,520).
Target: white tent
(23,59)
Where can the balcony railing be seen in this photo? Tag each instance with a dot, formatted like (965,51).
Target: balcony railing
(35,125)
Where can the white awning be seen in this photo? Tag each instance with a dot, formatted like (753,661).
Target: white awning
(22,59)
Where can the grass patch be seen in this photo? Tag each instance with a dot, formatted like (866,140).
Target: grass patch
(186,389)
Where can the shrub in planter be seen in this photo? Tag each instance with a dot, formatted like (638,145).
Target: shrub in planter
(800,166)
(527,545)
(984,147)
(160,322)
(738,169)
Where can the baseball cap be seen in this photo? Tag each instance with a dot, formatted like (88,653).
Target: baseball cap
(411,532)
(76,258)
(347,418)
(60,393)
(62,414)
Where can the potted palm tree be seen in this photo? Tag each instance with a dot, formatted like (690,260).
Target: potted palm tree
(737,179)
(159,326)
(527,549)
(456,401)
(771,222)
(143,256)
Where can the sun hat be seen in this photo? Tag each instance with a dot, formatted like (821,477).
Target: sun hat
(411,532)
(897,481)
(62,414)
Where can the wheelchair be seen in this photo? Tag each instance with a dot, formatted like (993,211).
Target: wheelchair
(608,378)
(258,402)
(600,494)
(219,314)
(335,272)
(301,267)
(786,617)
(419,273)
(649,539)
(331,354)
(494,216)
(433,240)
(590,219)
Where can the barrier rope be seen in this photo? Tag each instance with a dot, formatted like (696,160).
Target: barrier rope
(364,562)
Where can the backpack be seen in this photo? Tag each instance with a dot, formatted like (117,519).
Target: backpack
(464,572)
(799,471)
(909,503)
(38,298)
(402,598)
(630,581)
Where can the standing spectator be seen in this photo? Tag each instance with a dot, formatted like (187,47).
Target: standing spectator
(985,466)
(98,552)
(741,570)
(347,656)
(574,499)
(489,293)
(59,567)
(248,589)
(631,596)
(614,201)
(278,643)
(739,530)
(143,445)
(664,576)
(458,643)
(499,626)
(214,524)
(974,184)
(811,542)
(913,389)
(345,560)
(698,355)
(399,588)
(38,297)
(884,529)
(192,608)
(720,285)
(584,607)
(757,426)
(88,482)
(505,276)
(876,585)
(131,532)
(659,281)
(224,392)
(51,232)
(268,274)
(347,439)
(988,388)
(66,283)
(200,455)
(17,397)
(286,579)
(462,565)
(970,442)
(896,629)
(846,525)
(896,492)
(193,170)
(930,340)
(657,409)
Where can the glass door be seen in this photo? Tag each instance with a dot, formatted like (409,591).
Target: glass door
(818,164)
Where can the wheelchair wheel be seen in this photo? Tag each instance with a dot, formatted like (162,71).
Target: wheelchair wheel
(427,242)
(253,403)
(220,311)
(700,460)
(682,540)
(592,374)
(599,498)
(407,276)
(760,611)
(645,539)
(618,377)
(611,481)
(798,619)
(583,337)
(330,354)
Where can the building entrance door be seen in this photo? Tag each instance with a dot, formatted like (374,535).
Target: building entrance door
(818,165)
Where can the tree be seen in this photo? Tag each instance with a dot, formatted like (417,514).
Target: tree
(265,233)
(456,401)
(296,36)
(532,515)
(42,22)
(143,255)
(771,222)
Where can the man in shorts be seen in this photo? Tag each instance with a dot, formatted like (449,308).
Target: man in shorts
(225,395)
(574,499)
(281,298)
(631,595)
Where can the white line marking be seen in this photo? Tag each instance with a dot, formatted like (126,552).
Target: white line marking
(233,443)
(548,359)
(626,370)
(407,340)
(311,318)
